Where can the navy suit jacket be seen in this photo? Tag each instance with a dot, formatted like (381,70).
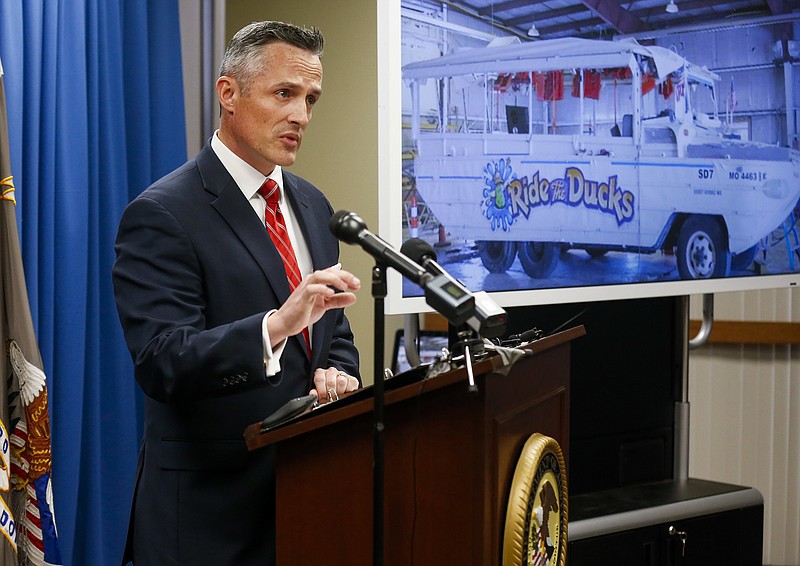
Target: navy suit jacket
(194,276)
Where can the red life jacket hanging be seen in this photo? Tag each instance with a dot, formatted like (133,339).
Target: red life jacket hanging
(648,83)
(549,85)
(502,82)
(591,84)
(666,88)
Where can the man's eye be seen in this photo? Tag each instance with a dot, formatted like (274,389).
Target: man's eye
(283,93)
(311,100)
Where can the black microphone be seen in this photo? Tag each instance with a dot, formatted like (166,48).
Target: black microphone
(489,320)
(446,295)
(350,228)
(423,253)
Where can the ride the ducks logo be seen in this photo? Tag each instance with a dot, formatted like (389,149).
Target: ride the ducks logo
(506,196)
(495,204)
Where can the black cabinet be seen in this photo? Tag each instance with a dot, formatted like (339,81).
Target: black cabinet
(684,523)
(626,378)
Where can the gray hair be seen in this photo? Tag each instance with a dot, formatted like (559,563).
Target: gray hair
(242,57)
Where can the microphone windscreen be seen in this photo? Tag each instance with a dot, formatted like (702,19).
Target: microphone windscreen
(418,249)
(346,226)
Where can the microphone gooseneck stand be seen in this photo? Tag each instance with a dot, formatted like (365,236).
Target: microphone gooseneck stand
(469,344)
(378,294)
(443,293)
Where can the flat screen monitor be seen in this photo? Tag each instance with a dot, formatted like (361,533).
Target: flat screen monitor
(642,170)
(430,346)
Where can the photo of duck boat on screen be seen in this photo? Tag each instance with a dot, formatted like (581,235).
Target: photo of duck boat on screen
(654,167)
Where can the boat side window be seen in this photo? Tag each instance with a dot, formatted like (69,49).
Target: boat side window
(659,135)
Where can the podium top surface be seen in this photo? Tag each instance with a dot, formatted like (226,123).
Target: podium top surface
(402,387)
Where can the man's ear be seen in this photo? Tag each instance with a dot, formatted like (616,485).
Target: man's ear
(227,93)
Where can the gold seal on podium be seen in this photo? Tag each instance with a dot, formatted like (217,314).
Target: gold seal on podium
(536,517)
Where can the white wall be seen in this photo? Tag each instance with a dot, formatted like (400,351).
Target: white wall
(745,415)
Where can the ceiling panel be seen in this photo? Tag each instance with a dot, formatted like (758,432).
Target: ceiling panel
(608,18)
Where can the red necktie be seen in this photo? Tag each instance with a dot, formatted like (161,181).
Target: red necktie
(276,227)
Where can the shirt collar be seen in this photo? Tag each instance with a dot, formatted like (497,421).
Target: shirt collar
(247,177)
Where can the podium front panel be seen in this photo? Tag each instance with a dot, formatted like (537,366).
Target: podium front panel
(449,459)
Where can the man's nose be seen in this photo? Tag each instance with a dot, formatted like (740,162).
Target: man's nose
(300,112)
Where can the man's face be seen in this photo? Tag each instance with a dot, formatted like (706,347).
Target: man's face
(264,125)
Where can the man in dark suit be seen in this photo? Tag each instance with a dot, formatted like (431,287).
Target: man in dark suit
(212,323)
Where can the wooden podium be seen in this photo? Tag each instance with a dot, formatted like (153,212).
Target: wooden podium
(449,459)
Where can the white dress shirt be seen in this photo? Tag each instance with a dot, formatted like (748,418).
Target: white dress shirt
(249,180)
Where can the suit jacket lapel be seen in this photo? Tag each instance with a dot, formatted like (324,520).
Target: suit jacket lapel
(230,203)
(308,220)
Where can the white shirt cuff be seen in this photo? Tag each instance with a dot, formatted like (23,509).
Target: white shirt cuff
(272,357)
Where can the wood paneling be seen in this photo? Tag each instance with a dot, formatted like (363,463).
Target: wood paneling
(747,332)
